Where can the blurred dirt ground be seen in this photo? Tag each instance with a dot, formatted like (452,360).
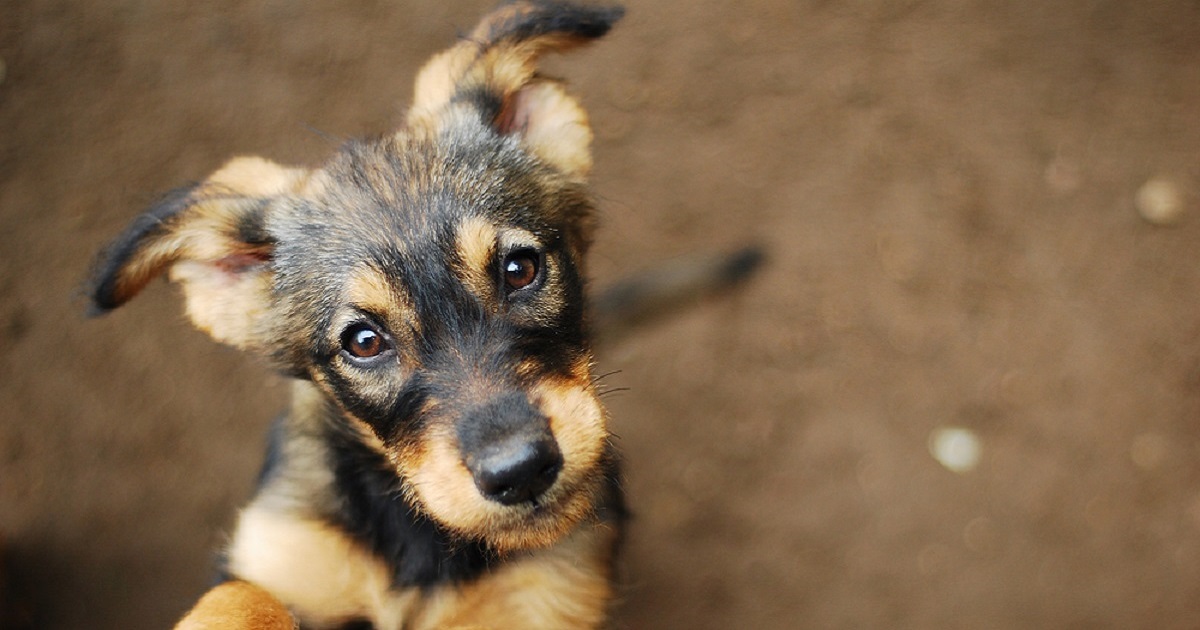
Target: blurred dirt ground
(947,190)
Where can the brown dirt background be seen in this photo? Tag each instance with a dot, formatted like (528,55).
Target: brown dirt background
(946,189)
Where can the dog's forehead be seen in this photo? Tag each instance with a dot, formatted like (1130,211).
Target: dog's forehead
(410,189)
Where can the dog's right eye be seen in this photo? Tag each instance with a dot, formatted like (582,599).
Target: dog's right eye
(362,341)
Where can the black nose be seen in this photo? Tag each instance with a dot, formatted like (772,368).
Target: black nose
(517,470)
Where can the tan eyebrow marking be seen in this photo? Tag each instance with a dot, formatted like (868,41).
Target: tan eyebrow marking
(475,241)
(368,289)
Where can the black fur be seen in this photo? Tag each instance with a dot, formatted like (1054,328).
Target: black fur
(503,416)
(589,22)
(375,512)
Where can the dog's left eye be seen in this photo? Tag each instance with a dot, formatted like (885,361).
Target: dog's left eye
(521,269)
(362,341)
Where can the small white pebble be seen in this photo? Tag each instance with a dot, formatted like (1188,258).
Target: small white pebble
(1160,201)
(956,448)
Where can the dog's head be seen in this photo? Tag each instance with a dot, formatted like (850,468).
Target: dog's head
(427,282)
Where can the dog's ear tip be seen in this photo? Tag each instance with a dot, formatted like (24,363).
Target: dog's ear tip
(99,290)
(97,298)
(595,21)
(605,16)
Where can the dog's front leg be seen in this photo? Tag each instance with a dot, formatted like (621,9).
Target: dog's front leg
(238,605)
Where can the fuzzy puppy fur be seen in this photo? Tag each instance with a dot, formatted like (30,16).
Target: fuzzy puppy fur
(445,461)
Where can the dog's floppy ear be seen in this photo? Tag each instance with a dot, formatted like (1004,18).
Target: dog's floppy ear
(494,70)
(211,239)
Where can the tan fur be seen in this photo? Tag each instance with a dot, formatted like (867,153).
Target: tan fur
(565,586)
(511,238)
(369,290)
(226,306)
(238,606)
(256,176)
(559,132)
(222,303)
(476,243)
(323,575)
(554,126)
(578,424)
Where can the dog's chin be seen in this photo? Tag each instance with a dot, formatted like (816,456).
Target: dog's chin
(541,524)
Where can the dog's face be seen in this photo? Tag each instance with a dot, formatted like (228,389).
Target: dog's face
(428,283)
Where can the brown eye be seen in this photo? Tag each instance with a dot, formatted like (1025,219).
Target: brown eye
(521,269)
(362,341)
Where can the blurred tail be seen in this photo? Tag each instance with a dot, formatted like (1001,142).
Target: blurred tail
(659,292)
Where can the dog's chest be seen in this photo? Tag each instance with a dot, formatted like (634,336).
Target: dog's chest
(328,580)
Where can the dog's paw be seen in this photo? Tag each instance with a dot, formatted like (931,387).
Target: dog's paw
(235,605)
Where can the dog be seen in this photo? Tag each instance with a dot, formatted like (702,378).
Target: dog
(445,461)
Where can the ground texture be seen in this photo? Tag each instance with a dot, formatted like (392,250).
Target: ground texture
(948,191)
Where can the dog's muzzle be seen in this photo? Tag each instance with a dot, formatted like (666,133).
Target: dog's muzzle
(509,449)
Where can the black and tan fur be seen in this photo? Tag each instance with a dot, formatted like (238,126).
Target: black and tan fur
(445,461)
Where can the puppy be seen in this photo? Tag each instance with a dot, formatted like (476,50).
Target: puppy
(445,461)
